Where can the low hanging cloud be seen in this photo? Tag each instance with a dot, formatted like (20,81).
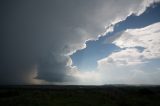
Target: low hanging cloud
(38,36)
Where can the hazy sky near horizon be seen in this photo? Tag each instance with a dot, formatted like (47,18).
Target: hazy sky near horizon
(88,42)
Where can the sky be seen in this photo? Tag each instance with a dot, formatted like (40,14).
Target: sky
(86,59)
(80,42)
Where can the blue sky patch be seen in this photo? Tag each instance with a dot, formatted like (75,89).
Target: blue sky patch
(86,59)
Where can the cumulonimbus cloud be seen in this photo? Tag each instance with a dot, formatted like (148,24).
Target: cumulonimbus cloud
(45,33)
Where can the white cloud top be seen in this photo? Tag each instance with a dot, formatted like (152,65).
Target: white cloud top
(148,38)
(126,65)
(131,65)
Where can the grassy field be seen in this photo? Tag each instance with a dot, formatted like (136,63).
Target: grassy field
(80,96)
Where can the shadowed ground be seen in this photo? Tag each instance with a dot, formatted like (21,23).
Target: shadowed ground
(116,95)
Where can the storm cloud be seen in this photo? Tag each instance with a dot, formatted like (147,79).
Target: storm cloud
(37,36)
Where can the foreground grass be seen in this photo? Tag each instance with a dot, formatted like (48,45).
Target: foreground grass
(80,96)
